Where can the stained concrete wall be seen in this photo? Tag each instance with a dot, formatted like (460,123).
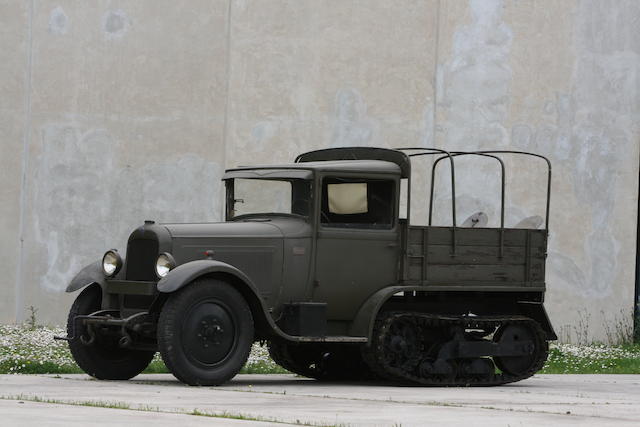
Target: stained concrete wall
(114,112)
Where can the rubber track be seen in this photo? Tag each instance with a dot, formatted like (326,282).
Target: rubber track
(375,354)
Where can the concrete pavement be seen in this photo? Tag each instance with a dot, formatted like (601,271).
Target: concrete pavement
(159,400)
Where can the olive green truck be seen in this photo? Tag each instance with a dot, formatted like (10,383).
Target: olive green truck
(317,259)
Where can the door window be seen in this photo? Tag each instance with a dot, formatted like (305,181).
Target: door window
(357,203)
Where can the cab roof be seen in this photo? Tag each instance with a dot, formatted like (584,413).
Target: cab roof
(305,170)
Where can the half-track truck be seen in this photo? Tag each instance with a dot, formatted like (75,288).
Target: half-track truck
(315,259)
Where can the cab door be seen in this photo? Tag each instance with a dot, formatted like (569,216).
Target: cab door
(357,243)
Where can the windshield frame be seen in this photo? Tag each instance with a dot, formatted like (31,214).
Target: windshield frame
(230,198)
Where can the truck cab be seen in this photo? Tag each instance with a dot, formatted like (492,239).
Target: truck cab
(340,229)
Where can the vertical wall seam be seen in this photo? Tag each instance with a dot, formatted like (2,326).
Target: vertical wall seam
(435,77)
(225,126)
(19,290)
(225,130)
(636,299)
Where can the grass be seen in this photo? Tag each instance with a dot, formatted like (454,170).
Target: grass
(146,408)
(593,359)
(31,349)
(91,403)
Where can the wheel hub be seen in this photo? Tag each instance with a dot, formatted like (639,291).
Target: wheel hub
(209,333)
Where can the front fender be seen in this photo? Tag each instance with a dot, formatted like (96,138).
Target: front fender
(188,272)
(90,274)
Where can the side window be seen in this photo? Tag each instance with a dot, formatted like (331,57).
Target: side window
(357,203)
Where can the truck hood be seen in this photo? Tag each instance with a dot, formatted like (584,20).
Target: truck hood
(240,229)
(254,246)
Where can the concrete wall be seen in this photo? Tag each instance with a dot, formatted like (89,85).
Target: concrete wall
(114,112)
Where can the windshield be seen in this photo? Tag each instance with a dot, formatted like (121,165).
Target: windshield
(248,196)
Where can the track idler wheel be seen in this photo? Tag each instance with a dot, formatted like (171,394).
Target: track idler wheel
(513,334)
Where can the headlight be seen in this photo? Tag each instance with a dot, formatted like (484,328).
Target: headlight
(111,263)
(164,264)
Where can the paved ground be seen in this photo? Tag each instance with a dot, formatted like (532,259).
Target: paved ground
(158,400)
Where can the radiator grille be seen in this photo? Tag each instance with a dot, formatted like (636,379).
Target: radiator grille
(141,259)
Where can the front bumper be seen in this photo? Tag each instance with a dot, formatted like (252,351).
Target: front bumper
(137,332)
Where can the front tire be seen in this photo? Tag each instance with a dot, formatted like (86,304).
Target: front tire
(205,332)
(103,359)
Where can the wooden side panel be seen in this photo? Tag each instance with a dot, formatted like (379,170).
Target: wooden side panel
(477,258)
(441,254)
(477,236)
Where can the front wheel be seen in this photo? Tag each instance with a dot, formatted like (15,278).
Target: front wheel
(103,358)
(205,332)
